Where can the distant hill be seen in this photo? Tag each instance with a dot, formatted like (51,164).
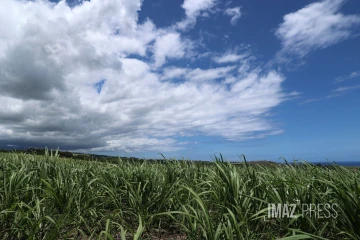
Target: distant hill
(67,154)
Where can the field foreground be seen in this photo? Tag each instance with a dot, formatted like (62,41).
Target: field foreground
(46,197)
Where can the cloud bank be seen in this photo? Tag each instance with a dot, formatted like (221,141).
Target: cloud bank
(53,58)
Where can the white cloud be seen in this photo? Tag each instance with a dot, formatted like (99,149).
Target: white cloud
(209,74)
(347,77)
(53,55)
(346,89)
(234,13)
(229,58)
(169,45)
(337,92)
(130,144)
(316,26)
(173,73)
(198,75)
(194,9)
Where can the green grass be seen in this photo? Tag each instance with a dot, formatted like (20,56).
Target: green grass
(46,197)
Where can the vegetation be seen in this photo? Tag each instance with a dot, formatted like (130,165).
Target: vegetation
(66,154)
(47,197)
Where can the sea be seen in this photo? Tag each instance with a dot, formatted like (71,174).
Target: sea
(341,163)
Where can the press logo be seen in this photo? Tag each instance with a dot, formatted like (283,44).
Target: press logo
(311,210)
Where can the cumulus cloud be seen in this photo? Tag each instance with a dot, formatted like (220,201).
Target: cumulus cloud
(234,13)
(316,26)
(169,45)
(193,10)
(52,56)
(174,73)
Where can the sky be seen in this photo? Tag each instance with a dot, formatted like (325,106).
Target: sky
(186,79)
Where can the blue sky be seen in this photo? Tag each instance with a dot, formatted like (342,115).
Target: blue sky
(188,79)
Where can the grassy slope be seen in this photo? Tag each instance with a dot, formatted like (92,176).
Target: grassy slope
(44,197)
